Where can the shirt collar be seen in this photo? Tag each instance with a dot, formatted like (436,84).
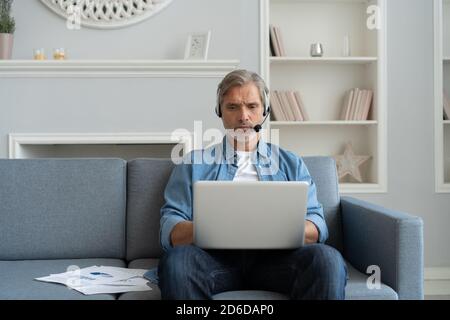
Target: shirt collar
(263,150)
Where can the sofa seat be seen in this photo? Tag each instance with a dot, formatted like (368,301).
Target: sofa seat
(154,294)
(17,279)
(356,288)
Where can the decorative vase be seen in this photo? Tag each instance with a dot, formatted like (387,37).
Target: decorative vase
(346,52)
(6,45)
(316,50)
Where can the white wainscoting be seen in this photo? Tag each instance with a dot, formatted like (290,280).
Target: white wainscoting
(437,281)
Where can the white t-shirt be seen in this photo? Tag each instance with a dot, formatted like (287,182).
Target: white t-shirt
(246,169)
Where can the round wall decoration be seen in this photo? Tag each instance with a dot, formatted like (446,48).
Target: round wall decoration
(106,14)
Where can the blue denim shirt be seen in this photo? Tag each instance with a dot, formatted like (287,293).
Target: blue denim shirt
(219,163)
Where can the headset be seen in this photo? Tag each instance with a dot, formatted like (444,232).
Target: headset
(266,111)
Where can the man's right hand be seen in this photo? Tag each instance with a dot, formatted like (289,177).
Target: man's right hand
(182,233)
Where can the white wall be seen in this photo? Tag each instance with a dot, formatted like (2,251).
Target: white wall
(81,105)
(411,185)
(136,105)
(162,36)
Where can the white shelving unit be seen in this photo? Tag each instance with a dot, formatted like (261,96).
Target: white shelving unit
(323,82)
(442,82)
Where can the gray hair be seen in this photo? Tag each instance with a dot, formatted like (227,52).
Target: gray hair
(239,78)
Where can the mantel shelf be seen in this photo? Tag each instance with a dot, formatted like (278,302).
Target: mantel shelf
(117,68)
(19,141)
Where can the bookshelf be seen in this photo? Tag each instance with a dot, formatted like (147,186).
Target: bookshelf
(324,81)
(441,84)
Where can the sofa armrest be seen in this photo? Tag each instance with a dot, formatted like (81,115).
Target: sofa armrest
(392,240)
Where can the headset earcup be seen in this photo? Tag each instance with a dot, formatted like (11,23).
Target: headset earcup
(217,110)
(266,103)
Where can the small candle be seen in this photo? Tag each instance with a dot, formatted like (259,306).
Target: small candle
(39,54)
(59,54)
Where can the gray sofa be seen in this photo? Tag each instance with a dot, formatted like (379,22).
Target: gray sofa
(55,213)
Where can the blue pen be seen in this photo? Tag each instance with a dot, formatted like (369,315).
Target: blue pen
(101,274)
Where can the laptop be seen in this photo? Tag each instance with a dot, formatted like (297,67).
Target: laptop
(249,215)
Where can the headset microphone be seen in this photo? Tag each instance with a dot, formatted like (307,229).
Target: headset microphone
(258,127)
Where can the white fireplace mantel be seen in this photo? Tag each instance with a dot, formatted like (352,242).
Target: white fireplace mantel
(19,142)
(117,68)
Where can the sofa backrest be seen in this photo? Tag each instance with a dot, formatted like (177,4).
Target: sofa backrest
(147,179)
(62,208)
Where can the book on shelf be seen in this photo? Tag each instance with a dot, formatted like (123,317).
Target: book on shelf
(288,106)
(301,105)
(446,106)
(356,96)
(357,104)
(293,105)
(366,106)
(272,47)
(275,106)
(273,41)
(276,41)
(280,41)
(347,103)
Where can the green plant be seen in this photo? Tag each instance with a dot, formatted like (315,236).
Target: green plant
(7,23)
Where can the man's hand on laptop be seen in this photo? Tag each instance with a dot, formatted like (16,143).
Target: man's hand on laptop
(311,232)
(182,233)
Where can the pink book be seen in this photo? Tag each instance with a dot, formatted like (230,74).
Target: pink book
(360,106)
(280,104)
(277,114)
(347,103)
(355,102)
(367,105)
(294,106)
(286,107)
(446,106)
(273,40)
(302,106)
(280,41)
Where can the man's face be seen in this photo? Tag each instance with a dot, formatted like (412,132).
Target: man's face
(241,110)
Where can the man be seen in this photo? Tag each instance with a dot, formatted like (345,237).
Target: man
(314,271)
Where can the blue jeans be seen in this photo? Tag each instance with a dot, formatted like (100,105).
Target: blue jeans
(315,271)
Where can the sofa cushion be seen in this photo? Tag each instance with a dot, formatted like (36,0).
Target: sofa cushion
(357,289)
(147,179)
(154,294)
(323,172)
(62,208)
(17,279)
